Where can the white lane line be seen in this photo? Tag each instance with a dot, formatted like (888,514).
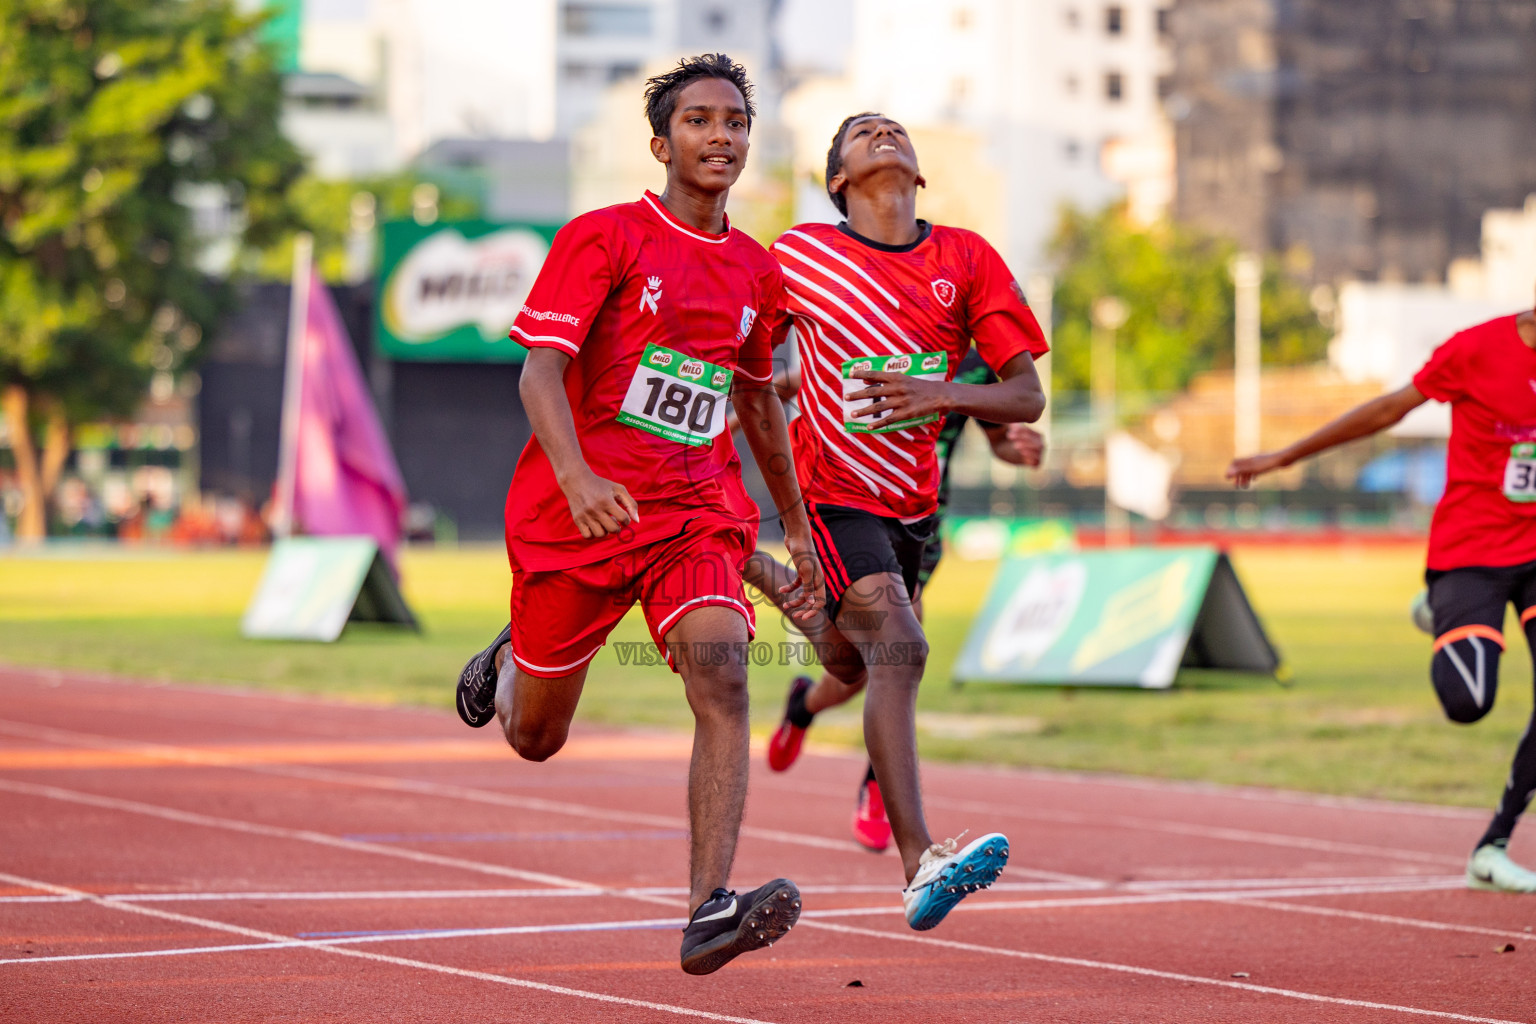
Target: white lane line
(675,892)
(280,832)
(386,782)
(426,934)
(847,929)
(48,677)
(1408,922)
(390,783)
(415,935)
(284,941)
(1150,972)
(1191,829)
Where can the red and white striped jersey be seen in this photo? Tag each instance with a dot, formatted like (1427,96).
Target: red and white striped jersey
(853,299)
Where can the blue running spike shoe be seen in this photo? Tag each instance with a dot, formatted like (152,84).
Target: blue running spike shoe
(476,698)
(945,876)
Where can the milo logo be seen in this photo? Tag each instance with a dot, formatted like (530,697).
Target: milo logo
(718,380)
(932,363)
(661,358)
(862,364)
(693,369)
(898,364)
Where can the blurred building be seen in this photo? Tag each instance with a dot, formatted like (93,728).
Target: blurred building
(1060,101)
(1364,140)
(339,124)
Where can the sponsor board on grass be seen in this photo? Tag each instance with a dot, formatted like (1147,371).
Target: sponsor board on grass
(313,586)
(448,292)
(1117,617)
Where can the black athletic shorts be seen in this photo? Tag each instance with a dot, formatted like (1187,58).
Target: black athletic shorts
(1476,596)
(852,544)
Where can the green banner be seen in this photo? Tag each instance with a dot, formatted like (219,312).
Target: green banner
(313,586)
(448,292)
(1118,617)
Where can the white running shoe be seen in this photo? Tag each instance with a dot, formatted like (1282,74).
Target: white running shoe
(945,876)
(1423,615)
(1490,868)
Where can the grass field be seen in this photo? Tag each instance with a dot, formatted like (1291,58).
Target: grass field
(1358,718)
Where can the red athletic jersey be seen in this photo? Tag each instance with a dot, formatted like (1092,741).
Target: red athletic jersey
(850,300)
(1487,515)
(617,281)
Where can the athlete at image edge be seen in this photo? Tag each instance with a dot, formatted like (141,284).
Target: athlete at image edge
(573,324)
(1014,443)
(1482,539)
(884,250)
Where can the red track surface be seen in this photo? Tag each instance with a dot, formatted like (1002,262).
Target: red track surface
(174,853)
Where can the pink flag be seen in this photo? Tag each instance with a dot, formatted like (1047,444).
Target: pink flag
(346,480)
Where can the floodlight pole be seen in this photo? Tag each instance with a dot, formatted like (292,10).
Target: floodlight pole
(293,383)
(1108,315)
(1247,276)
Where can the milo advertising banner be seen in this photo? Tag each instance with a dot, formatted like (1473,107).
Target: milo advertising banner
(448,292)
(1117,617)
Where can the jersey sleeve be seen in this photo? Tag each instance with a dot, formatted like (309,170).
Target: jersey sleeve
(1000,319)
(1443,377)
(572,286)
(767,330)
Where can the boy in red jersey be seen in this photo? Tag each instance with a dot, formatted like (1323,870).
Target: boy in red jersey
(885,307)
(1482,540)
(645,321)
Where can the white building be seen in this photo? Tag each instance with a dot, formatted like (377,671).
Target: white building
(1063,97)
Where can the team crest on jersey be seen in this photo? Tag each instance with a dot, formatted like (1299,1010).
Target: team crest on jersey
(944,291)
(748,318)
(650,294)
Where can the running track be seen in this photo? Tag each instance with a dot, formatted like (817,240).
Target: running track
(176,853)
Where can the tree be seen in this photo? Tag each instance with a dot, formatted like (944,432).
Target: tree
(1176,284)
(113,113)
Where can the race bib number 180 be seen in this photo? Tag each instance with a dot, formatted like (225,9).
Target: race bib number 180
(677,397)
(926,365)
(1520,473)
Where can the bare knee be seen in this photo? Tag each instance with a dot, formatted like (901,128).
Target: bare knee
(718,691)
(535,743)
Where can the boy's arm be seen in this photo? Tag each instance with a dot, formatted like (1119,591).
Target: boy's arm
(761,415)
(1016,398)
(1016,443)
(598,506)
(1361,421)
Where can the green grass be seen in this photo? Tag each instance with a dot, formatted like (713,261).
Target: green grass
(1358,718)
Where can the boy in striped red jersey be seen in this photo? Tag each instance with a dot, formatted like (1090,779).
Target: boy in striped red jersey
(885,307)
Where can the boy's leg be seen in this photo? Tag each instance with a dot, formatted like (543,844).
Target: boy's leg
(1521,783)
(535,712)
(1468,606)
(876,616)
(698,613)
(559,621)
(708,648)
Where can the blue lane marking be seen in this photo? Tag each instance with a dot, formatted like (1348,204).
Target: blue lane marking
(615,926)
(511,837)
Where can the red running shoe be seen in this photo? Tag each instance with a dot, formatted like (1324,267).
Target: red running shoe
(871,828)
(784,744)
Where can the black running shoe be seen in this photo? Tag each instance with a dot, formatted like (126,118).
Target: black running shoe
(728,925)
(477,684)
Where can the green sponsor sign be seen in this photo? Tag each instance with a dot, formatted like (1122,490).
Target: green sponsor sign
(1119,617)
(448,292)
(313,586)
